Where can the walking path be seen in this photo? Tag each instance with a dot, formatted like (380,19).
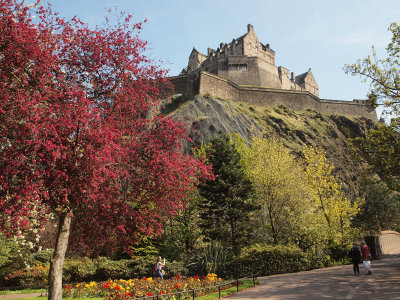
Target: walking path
(332,283)
(16,296)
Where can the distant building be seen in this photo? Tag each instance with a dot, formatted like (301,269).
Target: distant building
(244,70)
(246,61)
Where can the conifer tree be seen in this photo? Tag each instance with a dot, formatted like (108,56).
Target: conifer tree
(226,202)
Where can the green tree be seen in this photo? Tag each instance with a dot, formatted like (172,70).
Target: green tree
(226,202)
(181,232)
(281,192)
(381,150)
(380,211)
(334,209)
(383,74)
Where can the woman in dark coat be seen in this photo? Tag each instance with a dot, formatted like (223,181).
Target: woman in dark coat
(355,258)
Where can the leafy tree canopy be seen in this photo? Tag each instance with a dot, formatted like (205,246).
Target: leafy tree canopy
(334,209)
(381,150)
(76,140)
(382,73)
(281,191)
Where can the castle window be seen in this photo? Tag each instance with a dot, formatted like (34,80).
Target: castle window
(234,47)
(249,46)
(226,51)
(256,49)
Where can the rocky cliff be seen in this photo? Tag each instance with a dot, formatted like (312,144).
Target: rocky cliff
(295,129)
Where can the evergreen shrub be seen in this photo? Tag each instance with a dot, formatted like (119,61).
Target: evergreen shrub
(273,259)
(77,270)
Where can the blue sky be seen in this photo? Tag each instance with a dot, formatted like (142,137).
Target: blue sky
(321,35)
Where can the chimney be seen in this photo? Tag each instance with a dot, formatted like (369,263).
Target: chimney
(250,28)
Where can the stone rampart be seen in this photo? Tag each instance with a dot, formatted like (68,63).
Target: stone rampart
(218,86)
(186,85)
(207,83)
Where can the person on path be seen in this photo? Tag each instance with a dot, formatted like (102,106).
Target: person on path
(160,265)
(355,258)
(366,256)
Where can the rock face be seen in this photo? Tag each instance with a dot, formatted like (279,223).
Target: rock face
(207,117)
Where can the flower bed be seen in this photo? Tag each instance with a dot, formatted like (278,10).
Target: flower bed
(146,287)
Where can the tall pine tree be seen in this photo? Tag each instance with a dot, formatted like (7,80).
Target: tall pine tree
(226,202)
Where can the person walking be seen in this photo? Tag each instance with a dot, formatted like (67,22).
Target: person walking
(159,267)
(366,257)
(355,258)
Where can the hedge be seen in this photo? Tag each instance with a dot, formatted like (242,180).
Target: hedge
(268,260)
(86,269)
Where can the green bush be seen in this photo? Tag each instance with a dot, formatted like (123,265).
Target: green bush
(109,269)
(142,266)
(339,252)
(268,260)
(77,270)
(43,256)
(174,268)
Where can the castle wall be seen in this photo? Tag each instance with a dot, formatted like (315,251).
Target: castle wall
(339,107)
(186,85)
(241,70)
(217,86)
(268,75)
(212,84)
(295,100)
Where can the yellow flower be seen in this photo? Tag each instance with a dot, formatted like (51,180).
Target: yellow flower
(211,276)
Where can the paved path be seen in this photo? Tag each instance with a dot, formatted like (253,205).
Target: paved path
(16,296)
(332,283)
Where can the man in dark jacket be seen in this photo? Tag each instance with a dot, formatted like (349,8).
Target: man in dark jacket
(355,258)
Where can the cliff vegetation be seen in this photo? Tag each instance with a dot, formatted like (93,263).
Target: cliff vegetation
(210,116)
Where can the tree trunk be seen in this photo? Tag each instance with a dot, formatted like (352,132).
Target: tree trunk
(57,261)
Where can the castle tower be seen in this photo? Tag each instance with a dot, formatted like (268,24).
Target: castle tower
(246,61)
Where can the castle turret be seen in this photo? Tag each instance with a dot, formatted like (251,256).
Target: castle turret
(246,61)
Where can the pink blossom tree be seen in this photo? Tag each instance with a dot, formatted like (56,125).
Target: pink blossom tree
(79,140)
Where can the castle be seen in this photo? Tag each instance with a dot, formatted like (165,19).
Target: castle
(244,70)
